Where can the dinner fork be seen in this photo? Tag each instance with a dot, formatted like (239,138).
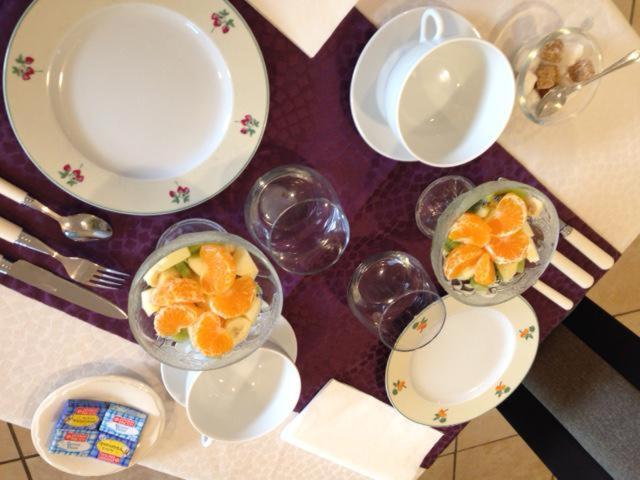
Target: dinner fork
(81,270)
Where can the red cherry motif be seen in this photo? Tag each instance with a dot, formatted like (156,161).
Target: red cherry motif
(185,190)
(214,16)
(26,76)
(30,71)
(80,178)
(172,194)
(67,167)
(244,121)
(244,131)
(216,22)
(76,172)
(225,29)
(28,61)
(247,117)
(180,189)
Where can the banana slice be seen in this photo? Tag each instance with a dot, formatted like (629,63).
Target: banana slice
(245,266)
(151,277)
(238,328)
(253,311)
(145,298)
(197,265)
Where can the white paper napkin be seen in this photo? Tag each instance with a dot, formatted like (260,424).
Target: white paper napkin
(307,23)
(353,429)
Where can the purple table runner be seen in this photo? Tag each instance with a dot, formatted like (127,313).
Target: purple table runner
(310,123)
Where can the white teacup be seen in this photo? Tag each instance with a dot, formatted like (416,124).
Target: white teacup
(448,100)
(244,400)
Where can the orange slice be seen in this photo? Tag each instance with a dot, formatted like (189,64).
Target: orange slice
(460,260)
(509,215)
(170,320)
(210,337)
(235,301)
(178,290)
(511,248)
(470,229)
(221,269)
(485,271)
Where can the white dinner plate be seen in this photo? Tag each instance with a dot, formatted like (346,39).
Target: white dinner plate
(110,388)
(142,107)
(175,380)
(481,355)
(379,56)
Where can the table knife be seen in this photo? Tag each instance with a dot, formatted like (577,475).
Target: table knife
(553,295)
(50,283)
(585,246)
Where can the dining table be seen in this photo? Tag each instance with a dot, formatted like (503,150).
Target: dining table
(587,165)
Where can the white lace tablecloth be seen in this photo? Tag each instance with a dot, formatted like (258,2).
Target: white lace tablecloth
(590,163)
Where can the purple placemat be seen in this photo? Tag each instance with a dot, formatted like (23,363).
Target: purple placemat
(310,123)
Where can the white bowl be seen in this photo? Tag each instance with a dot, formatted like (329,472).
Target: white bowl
(449,103)
(244,400)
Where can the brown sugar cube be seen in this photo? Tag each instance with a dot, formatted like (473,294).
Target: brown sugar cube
(552,51)
(547,77)
(581,70)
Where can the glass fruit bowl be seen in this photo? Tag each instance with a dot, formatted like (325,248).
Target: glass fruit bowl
(544,227)
(182,354)
(562,57)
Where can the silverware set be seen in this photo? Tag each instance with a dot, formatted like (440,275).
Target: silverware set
(81,228)
(579,276)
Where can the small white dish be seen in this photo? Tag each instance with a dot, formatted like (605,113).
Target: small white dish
(384,49)
(481,355)
(136,107)
(175,380)
(448,100)
(244,400)
(110,388)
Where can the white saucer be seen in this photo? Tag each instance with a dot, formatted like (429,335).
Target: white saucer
(110,388)
(376,61)
(481,355)
(175,380)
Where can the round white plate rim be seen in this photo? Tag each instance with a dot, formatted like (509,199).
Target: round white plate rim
(524,354)
(52,397)
(48,168)
(360,123)
(166,370)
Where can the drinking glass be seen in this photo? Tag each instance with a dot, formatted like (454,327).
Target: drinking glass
(393,296)
(190,225)
(294,213)
(436,198)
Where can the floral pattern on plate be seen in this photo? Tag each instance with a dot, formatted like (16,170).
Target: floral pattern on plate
(70,175)
(502,389)
(23,67)
(221,20)
(398,386)
(249,125)
(441,415)
(180,194)
(527,333)
(420,325)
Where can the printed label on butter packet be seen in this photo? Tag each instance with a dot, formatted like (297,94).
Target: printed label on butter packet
(73,442)
(82,414)
(125,422)
(112,449)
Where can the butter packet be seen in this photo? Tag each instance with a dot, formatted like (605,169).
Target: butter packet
(67,441)
(112,449)
(81,415)
(124,422)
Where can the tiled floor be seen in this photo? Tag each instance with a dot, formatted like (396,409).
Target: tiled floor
(487,449)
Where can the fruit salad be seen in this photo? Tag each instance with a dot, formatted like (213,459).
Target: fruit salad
(204,294)
(492,243)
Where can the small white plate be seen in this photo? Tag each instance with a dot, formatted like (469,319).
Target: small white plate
(175,380)
(110,388)
(136,107)
(376,61)
(481,355)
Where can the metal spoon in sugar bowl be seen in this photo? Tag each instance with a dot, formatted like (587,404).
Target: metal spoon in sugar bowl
(555,98)
(82,227)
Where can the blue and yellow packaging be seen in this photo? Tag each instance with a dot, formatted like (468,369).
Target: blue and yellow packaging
(113,449)
(124,422)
